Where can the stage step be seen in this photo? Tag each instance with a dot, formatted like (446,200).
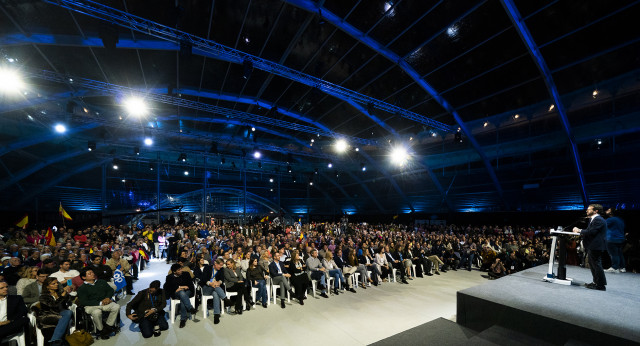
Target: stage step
(499,335)
(441,332)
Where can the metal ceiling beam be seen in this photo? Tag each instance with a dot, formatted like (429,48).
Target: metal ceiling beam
(18,176)
(534,51)
(148,27)
(58,179)
(610,127)
(387,53)
(118,90)
(41,138)
(35,101)
(186,130)
(240,99)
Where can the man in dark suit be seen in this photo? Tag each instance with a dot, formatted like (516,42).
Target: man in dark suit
(279,276)
(594,241)
(13,312)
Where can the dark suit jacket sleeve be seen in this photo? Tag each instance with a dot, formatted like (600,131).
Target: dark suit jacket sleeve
(16,308)
(219,275)
(597,225)
(273,271)
(188,281)
(207,273)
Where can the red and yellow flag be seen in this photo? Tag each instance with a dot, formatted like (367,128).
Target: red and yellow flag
(49,238)
(63,212)
(23,222)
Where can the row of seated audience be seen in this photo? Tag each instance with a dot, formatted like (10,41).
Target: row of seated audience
(229,261)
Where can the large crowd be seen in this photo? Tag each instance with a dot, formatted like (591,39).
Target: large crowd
(51,279)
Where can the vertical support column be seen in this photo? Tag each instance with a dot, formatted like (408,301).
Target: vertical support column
(103,194)
(279,206)
(244,191)
(158,190)
(204,191)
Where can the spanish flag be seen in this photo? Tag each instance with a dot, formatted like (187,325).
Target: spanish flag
(63,212)
(23,222)
(49,238)
(266,218)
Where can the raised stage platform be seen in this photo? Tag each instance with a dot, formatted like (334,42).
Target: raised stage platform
(554,313)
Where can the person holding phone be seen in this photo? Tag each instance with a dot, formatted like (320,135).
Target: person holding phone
(65,274)
(54,309)
(147,309)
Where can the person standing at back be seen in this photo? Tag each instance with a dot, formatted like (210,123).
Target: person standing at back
(615,242)
(594,242)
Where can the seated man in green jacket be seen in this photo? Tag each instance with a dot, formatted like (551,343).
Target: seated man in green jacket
(95,295)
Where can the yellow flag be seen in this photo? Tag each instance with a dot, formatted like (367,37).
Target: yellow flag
(23,223)
(63,212)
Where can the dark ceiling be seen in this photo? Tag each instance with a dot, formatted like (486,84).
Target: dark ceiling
(503,105)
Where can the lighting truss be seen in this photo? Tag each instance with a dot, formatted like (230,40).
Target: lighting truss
(222,52)
(115,90)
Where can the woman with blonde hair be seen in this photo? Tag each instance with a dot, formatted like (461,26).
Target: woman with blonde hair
(27,276)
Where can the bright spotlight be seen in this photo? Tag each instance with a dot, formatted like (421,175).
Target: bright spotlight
(148,141)
(399,156)
(136,106)
(330,165)
(186,172)
(452,31)
(257,154)
(271,180)
(341,145)
(60,128)
(10,81)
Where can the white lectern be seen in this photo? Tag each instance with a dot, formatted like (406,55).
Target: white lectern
(561,278)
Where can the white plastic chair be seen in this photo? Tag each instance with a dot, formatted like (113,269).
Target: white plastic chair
(393,274)
(254,291)
(39,336)
(174,303)
(274,295)
(329,283)
(19,338)
(413,271)
(205,300)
